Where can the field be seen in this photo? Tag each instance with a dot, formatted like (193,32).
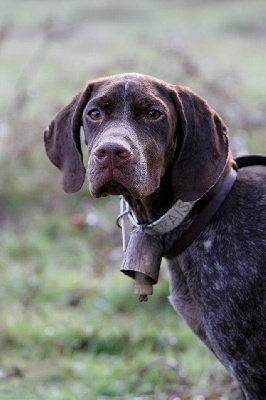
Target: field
(70,325)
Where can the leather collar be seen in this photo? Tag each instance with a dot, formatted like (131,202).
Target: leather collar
(173,217)
(203,218)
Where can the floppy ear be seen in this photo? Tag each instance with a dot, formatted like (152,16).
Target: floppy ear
(62,142)
(202,146)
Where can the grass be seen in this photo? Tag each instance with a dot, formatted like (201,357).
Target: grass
(69,335)
(71,327)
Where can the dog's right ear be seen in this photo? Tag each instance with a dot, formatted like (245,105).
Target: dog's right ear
(62,142)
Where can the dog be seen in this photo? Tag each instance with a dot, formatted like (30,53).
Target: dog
(155,143)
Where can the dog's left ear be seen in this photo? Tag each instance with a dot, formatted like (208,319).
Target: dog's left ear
(202,146)
(62,142)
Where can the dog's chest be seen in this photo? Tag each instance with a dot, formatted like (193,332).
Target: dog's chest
(196,278)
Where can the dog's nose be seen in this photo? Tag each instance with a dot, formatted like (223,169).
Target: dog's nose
(112,154)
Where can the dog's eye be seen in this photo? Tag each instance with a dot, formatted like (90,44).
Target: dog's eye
(95,114)
(153,114)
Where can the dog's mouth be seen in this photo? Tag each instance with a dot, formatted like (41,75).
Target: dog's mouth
(126,181)
(112,188)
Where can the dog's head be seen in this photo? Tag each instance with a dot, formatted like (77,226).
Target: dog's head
(137,127)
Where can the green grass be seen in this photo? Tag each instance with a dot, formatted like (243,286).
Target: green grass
(68,334)
(74,336)
(70,326)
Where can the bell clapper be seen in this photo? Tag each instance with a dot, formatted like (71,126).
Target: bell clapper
(143,286)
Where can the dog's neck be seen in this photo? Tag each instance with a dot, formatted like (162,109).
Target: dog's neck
(185,219)
(152,207)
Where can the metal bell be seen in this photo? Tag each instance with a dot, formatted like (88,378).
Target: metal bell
(142,261)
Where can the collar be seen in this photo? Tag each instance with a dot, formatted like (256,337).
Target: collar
(166,223)
(203,217)
(173,218)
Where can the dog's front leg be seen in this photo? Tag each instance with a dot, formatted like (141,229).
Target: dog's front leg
(183,301)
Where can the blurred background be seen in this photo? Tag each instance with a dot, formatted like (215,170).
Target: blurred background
(70,325)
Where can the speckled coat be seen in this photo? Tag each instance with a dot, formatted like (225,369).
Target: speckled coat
(155,143)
